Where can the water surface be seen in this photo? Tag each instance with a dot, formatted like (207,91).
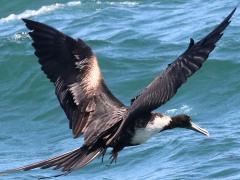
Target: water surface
(134,41)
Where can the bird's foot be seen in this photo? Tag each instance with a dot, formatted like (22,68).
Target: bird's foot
(103,154)
(113,157)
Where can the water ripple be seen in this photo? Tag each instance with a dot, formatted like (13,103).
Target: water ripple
(134,42)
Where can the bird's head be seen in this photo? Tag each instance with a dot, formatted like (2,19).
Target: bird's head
(184,121)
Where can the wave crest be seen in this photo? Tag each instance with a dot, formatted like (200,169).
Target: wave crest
(42,10)
(183,109)
(123,3)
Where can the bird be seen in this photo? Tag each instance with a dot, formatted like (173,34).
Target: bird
(91,108)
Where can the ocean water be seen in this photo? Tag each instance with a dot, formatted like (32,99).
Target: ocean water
(134,41)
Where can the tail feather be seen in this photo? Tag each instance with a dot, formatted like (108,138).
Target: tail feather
(59,162)
(83,162)
(67,166)
(67,162)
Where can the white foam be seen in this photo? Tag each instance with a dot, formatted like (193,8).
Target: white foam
(74,3)
(19,36)
(183,109)
(127,3)
(124,3)
(42,10)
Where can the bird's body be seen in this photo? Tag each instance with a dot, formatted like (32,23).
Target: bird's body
(94,112)
(154,126)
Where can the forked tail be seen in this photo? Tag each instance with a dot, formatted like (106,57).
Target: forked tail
(67,162)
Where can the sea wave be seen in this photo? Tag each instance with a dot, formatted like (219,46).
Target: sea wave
(134,43)
(42,10)
(123,3)
(183,109)
(18,37)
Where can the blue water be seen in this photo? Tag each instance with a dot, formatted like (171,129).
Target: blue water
(134,41)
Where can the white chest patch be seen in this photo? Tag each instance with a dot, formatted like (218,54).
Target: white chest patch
(152,128)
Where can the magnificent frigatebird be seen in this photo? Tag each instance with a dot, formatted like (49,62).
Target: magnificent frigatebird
(94,112)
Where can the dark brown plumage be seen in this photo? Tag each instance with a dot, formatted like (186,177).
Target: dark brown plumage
(91,108)
(166,85)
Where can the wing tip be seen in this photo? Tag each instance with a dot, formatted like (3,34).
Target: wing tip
(29,23)
(26,21)
(227,19)
(232,12)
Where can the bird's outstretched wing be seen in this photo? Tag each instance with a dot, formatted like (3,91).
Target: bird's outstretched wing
(73,68)
(165,86)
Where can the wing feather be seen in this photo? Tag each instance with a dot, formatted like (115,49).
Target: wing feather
(73,68)
(166,85)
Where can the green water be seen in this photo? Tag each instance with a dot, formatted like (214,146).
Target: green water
(134,41)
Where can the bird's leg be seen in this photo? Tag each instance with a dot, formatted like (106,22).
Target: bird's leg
(103,154)
(113,157)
